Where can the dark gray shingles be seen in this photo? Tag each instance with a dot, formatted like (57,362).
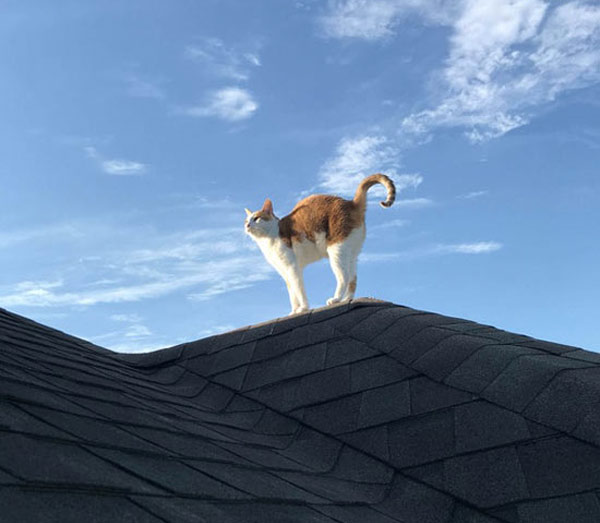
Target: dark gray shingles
(373,441)
(384,404)
(195,511)
(412,502)
(465,514)
(482,367)
(324,385)
(347,350)
(259,483)
(427,395)
(160,395)
(376,323)
(559,466)
(488,478)
(271,347)
(547,346)
(579,508)
(66,506)
(171,475)
(50,462)
(576,391)
(335,416)
(336,490)
(355,466)
(525,378)
(313,449)
(413,346)
(17,420)
(297,363)
(229,358)
(90,430)
(479,425)
(346,322)
(8,479)
(233,379)
(418,440)
(381,370)
(356,514)
(405,329)
(445,356)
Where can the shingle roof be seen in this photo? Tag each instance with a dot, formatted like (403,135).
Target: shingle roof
(365,412)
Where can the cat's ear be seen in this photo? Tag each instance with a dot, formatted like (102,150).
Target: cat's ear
(248,212)
(268,206)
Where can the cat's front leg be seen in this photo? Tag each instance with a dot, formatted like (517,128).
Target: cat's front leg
(293,300)
(298,297)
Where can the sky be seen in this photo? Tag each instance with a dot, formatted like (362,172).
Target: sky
(133,134)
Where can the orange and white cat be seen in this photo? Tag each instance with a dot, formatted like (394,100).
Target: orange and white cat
(319,226)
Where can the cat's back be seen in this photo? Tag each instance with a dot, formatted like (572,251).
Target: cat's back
(321,213)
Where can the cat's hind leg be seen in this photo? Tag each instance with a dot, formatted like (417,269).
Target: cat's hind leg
(340,259)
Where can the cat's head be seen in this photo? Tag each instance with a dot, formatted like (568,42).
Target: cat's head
(263,223)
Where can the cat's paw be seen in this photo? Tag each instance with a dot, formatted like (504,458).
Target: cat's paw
(332,301)
(298,310)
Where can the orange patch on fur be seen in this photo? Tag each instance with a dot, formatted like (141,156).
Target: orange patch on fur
(334,216)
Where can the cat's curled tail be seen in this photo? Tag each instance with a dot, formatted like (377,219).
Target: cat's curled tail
(360,198)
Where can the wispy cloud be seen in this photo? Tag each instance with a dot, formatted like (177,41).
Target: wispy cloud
(223,60)
(54,232)
(376,19)
(202,263)
(389,224)
(505,60)
(357,157)
(126,318)
(469,248)
(484,247)
(230,103)
(473,194)
(117,167)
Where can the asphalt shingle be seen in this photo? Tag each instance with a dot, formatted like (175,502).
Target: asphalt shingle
(364,412)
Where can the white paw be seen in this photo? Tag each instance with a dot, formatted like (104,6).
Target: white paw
(331,301)
(299,310)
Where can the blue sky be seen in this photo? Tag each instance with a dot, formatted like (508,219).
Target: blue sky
(133,134)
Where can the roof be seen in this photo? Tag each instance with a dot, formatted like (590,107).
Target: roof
(364,412)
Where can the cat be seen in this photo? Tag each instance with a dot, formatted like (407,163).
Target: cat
(319,226)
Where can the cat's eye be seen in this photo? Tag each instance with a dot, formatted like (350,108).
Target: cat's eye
(257,219)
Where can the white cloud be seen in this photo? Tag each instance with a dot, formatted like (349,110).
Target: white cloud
(123,167)
(469,248)
(141,265)
(434,250)
(230,103)
(54,233)
(222,60)
(126,318)
(137,331)
(473,194)
(413,203)
(376,19)
(389,224)
(506,59)
(117,167)
(358,157)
